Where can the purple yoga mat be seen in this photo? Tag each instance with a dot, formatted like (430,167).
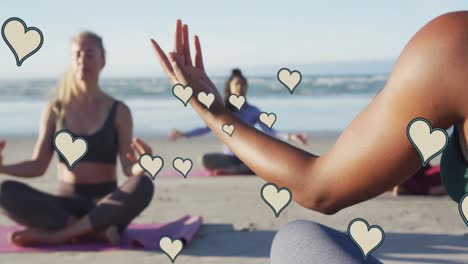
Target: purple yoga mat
(136,237)
(175,174)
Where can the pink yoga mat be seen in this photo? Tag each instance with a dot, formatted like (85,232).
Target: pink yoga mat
(136,237)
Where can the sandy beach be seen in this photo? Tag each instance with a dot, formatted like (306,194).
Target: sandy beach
(239,227)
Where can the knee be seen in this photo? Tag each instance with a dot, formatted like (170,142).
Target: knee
(290,238)
(202,160)
(7,188)
(145,189)
(294,229)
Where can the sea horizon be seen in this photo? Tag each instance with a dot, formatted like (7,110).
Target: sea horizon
(320,102)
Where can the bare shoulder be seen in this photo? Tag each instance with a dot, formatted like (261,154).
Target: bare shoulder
(430,74)
(51,110)
(123,113)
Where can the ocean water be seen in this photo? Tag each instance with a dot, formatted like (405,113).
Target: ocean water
(319,103)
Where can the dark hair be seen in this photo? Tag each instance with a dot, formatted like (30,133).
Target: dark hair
(227,90)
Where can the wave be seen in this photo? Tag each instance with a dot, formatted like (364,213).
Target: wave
(160,87)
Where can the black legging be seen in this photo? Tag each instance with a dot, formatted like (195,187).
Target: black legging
(105,203)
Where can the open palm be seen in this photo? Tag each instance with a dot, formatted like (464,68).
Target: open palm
(178,64)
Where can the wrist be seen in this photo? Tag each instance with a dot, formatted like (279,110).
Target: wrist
(216,112)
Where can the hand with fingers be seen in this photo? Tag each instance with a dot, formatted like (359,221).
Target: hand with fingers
(300,139)
(179,67)
(139,148)
(176,134)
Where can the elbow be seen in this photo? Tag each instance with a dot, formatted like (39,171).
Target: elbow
(322,203)
(40,170)
(318,193)
(329,209)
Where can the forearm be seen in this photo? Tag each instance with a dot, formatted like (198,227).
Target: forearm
(270,158)
(25,169)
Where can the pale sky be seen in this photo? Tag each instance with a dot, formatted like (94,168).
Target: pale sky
(233,33)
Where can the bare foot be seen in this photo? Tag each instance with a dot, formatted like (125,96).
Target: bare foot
(218,172)
(33,236)
(111,235)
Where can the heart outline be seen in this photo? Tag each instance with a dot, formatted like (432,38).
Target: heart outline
(291,90)
(278,190)
(268,116)
(369,227)
(424,163)
(206,96)
(152,159)
(183,161)
(26,29)
(172,242)
(226,125)
(185,87)
(464,218)
(70,167)
(237,97)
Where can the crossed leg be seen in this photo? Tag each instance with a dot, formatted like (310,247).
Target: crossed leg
(49,221)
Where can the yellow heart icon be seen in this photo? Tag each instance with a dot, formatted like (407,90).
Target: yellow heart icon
(268,119)
(171,248)
(237,101)
(463,206)
(290,79)
(228,129)
(276,198)
(183,93)
(150,164)
(183,166)
(206,99)
(427,141)
(70,148)
(367,238)
(23,41)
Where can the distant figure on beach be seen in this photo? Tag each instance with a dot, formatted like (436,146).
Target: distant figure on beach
(425,181)
(226,162)
(372,155)
(89,205)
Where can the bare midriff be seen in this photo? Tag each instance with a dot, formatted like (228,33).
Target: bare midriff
(87,173)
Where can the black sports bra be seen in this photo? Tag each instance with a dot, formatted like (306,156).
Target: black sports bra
(103,144)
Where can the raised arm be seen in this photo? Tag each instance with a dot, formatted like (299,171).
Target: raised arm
(373,153)
(43,149)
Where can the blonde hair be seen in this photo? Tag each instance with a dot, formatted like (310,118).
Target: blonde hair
(66,89)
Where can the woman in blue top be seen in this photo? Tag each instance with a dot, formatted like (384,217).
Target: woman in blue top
(227,162)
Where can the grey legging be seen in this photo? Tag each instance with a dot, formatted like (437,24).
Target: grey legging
(306,242)
(105,203)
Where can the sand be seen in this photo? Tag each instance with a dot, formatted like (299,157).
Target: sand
(417,229)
